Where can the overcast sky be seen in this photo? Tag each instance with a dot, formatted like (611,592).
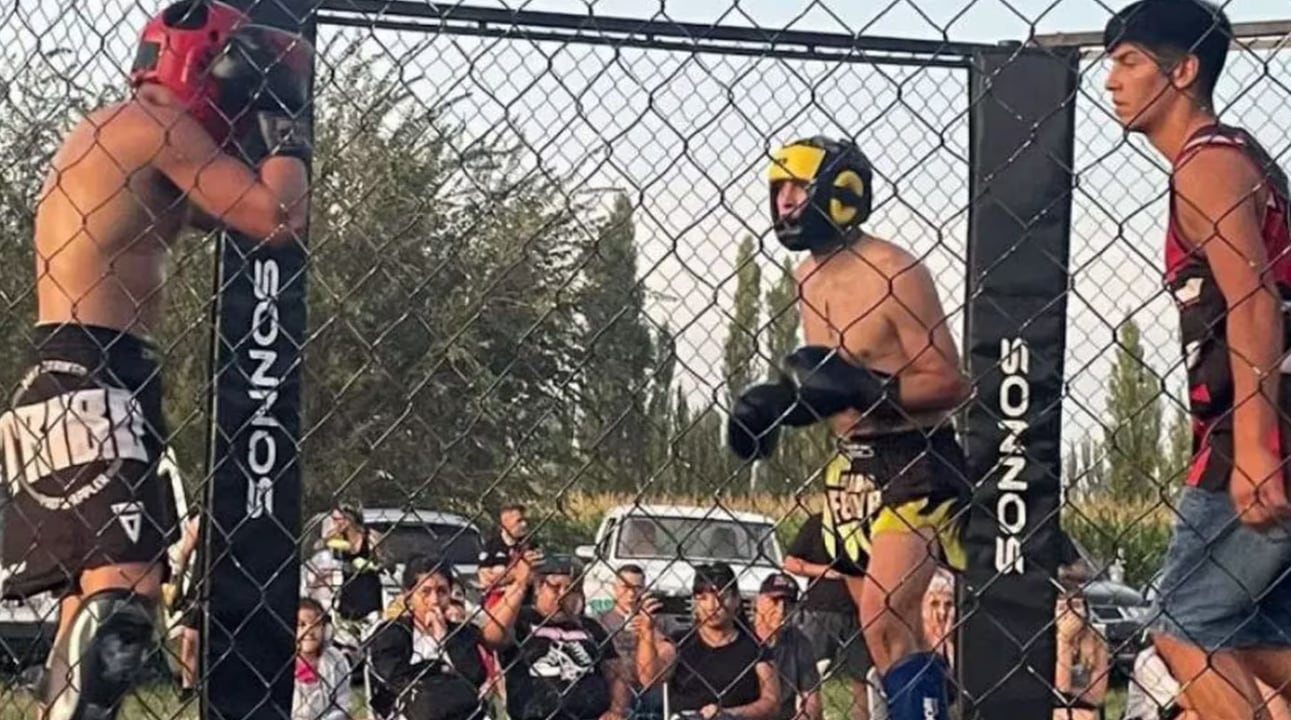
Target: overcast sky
(686,136)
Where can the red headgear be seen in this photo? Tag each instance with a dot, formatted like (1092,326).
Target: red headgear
(176,49)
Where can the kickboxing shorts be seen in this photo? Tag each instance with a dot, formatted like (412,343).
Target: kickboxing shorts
(903,481)
(81,444)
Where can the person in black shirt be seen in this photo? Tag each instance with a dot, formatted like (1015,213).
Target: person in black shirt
(828,616)
(503,550)
(352,547)
(791,652)
(718,669)
(424,666)
(559,665)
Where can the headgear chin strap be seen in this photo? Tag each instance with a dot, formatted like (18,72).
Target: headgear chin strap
(176,49)
(838,178)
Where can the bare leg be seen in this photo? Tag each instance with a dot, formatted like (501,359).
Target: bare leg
(902,565)
(188,658)
(1218,686)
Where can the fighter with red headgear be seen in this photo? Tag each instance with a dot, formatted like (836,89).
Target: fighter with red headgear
(88,516)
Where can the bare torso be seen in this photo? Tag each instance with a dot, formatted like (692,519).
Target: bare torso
(846,302)
(105,220)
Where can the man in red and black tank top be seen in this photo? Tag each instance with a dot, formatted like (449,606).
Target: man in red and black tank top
(1224,613)
(1203,309)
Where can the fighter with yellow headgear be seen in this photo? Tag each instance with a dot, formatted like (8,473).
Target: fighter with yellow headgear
(879,365)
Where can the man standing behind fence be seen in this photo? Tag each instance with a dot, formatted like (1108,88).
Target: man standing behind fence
(881,366)
(828,616)
(89,516)
(1225,604)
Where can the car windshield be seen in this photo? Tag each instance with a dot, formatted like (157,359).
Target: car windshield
(399,543)
(697,539)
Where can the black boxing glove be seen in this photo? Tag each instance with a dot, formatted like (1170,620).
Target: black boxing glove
(263,76)
(753,428)
(828,384)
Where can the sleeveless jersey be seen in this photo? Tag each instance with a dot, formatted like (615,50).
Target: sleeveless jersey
(1202,307)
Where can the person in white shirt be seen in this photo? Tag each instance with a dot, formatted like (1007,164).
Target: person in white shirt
(322,672)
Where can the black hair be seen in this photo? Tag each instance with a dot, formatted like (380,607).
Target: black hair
(630,569)
(309,603)
(426,565)
(1171,29)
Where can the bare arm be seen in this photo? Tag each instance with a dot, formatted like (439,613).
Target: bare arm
(798,566)
(616,671)
(1219,209)
(654,658)
(931,379)
(270,205)
(498,622)
(1094,651)
(768,695)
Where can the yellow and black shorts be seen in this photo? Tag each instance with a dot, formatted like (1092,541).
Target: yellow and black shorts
(895,482)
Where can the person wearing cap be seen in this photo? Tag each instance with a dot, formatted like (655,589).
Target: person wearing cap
(425,666)
(791,651)
(718,669)
(559,665)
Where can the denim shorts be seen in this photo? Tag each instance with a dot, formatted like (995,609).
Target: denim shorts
(1224,585)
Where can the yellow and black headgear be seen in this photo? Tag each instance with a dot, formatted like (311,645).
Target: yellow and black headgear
(840,196)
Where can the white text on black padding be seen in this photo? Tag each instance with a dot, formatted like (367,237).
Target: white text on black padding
(262,445)
(70,430)
(1011,504)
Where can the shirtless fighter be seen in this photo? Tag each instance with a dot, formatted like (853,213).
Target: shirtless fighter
(1225,591)
(88,516)
(880,365)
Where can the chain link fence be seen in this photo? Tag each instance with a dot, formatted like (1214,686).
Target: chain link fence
(540,269)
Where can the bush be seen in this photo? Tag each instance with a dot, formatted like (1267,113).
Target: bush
(1139,530)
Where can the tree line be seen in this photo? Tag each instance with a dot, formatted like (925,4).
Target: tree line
(478,328)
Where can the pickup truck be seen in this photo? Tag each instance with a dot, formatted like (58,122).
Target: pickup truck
(667,541)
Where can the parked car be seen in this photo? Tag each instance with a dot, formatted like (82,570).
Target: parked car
(667,541)
(1118,611)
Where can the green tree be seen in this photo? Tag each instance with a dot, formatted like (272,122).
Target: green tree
(1132,434)
(614,427)
(444,341)
(740,356)
(660,409)
(1085,469)
(802,451)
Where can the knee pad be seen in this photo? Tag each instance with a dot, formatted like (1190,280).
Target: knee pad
(99,657)
(915,687)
